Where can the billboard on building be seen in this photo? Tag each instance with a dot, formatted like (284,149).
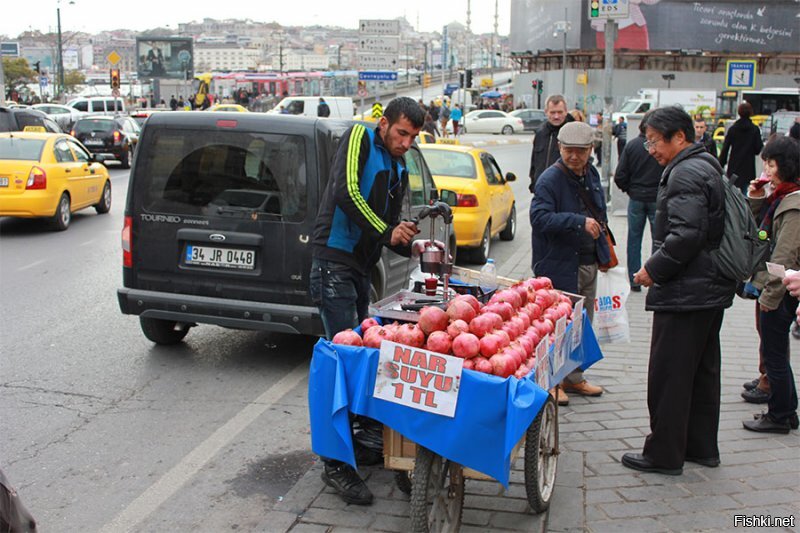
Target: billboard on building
(164,57)
(724,26)
(9,49)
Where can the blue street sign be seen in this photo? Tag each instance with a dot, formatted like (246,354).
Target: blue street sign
(42,81)
(377,75)
(741,74)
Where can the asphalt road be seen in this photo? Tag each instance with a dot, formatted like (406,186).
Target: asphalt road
(103,431)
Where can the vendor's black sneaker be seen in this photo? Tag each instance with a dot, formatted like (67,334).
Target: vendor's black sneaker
(767,424)
(794,422)
(366,456)
(346,482)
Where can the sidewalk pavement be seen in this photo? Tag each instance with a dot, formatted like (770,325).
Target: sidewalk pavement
(759,474)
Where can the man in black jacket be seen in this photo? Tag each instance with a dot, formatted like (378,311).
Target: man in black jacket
(688,298)
(701,136)
(323,110)
(637,175)
(545,141)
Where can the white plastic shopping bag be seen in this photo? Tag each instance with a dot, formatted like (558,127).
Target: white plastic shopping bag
(610,321)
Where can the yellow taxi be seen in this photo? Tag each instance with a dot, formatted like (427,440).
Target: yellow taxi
(486,206)
(50,175)
(228,107)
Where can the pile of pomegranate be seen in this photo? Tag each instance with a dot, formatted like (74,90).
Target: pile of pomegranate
(498,338)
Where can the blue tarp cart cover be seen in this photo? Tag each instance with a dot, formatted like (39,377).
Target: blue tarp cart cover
(492,413)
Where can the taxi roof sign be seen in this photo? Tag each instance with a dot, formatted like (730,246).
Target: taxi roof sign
(37,129)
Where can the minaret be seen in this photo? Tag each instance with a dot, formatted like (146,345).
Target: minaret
(469,11)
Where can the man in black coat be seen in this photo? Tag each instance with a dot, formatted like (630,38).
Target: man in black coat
(545,141)
(701,136)
(688,298)
(744,143)
(637,175)
(323,110)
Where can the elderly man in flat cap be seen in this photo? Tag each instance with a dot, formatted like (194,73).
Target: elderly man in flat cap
(568,214)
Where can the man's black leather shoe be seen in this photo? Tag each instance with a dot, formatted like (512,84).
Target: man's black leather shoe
(794,422)
(711,462)
(347,483)
(639,462)
(755,396)
(750,385)
(766,424)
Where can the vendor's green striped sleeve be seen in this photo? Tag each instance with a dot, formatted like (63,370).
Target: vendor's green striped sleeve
(353,153)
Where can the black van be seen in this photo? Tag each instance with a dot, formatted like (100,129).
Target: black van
(218,221)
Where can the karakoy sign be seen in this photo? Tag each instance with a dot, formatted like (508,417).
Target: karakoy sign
(418,378)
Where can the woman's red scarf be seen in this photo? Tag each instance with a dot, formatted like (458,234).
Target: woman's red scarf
(774,200)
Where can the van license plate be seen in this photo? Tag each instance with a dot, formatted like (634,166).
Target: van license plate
(220,257)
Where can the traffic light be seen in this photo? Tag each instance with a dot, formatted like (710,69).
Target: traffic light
(37,67)
(534,84)
(461,78)
(594,9)
(469,78)
(540,86)
(115,78)
(426,80)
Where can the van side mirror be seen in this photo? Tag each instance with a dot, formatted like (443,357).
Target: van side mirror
(449,197)
(510,176)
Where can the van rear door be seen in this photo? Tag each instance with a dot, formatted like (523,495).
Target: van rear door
(220,209)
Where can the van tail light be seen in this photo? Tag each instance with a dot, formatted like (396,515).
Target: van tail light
(37,179)
(127,244)
(467,200)
(117,137)
(227,123)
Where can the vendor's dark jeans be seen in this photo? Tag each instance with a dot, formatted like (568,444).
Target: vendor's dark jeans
(775,327)
(342,295)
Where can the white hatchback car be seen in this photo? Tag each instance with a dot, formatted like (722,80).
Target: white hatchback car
(491,121)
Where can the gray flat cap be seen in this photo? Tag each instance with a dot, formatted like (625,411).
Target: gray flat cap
(576,134)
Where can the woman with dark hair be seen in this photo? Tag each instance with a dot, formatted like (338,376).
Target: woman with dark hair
(777,203)
(743,141)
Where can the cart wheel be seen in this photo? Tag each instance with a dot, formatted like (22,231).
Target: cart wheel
(403,481)
(541,457)
(437,495)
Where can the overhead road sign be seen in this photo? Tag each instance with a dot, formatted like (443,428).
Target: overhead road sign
(741,74)
(377,62)
(385,44)
(377,76)
(609,9)
(379,27)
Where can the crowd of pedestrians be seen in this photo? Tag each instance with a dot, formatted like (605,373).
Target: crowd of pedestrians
(673,177)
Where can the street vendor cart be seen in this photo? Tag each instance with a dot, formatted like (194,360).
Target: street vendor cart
(474,430)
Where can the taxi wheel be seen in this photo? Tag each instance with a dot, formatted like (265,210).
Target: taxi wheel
(63,215)
(481,254)
(511,225)
(104,205)
(163,331)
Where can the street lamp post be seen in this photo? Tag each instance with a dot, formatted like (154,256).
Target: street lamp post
(60,48)
(562,26)
(668,78)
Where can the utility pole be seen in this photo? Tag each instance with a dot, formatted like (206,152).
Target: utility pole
(608,100)
(424,71)
(564,56)
(60,54)
(495,35)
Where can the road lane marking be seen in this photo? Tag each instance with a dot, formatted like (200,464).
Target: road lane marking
(35,263)
(87,243)
(177,476)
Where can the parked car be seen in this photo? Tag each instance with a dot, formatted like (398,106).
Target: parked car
(117,136)
(104,105)
(50,175)
(531,118)
(491,121)
(63,115)
(486,207)
(219,217)
(20,118)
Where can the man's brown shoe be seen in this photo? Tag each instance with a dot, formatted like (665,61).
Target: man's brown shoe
(584,388)
(561,397)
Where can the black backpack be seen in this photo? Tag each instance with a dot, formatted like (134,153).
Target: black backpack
(743,249)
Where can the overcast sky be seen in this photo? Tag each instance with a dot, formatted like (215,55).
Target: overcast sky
(97,15)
